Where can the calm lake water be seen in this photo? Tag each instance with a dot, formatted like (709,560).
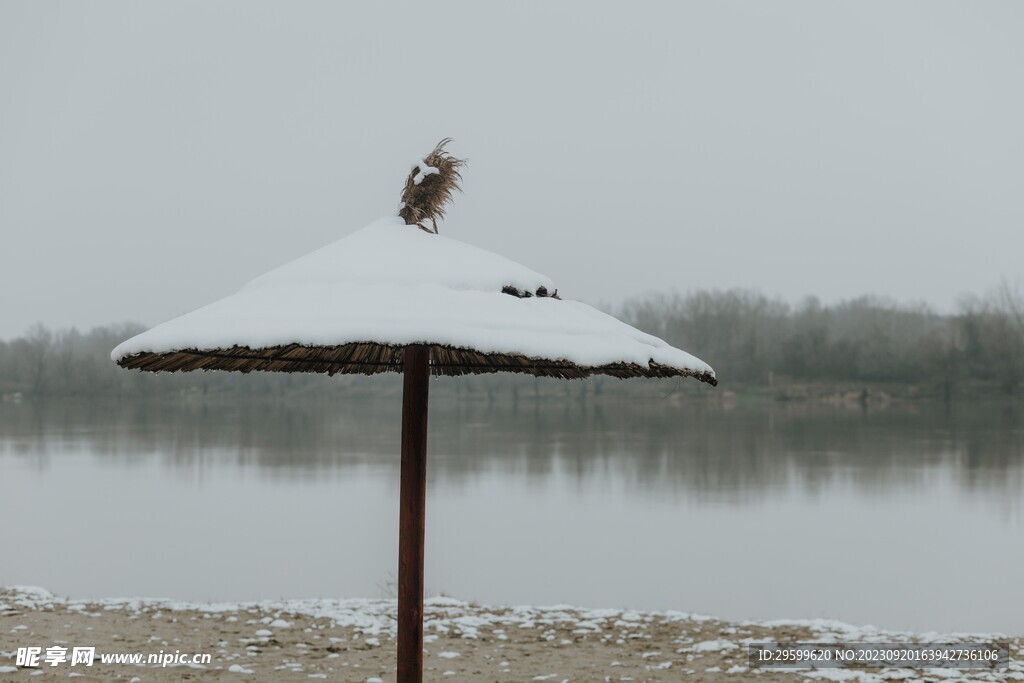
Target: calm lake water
(903,517)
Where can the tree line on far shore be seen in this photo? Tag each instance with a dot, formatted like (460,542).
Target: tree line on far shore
(756,339)
(751,340)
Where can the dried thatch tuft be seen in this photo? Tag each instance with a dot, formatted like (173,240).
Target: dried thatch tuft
(429,188)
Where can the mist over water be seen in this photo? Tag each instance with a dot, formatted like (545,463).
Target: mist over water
(908,516)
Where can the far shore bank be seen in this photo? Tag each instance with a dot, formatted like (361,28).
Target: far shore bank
(353,640)
(522,391)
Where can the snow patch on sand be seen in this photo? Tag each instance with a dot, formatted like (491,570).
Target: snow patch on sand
(374,619)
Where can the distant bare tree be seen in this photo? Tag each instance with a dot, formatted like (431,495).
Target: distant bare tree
(38,344)
(1010,299)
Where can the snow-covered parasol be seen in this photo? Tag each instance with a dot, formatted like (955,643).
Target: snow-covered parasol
(396,296)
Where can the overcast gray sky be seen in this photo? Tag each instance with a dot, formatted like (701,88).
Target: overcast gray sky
(156,156)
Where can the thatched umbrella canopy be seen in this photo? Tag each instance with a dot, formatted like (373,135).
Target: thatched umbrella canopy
(396,296)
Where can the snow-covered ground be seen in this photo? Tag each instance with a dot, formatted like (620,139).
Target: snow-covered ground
(332,638)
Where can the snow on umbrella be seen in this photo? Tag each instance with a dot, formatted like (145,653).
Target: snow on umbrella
(396,296)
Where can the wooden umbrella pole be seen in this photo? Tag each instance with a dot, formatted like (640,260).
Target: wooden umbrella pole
(411,523)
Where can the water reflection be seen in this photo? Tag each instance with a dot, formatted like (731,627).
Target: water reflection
(653,448)
(759,510)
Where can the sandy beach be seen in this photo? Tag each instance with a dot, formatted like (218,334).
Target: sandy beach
(353,640)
